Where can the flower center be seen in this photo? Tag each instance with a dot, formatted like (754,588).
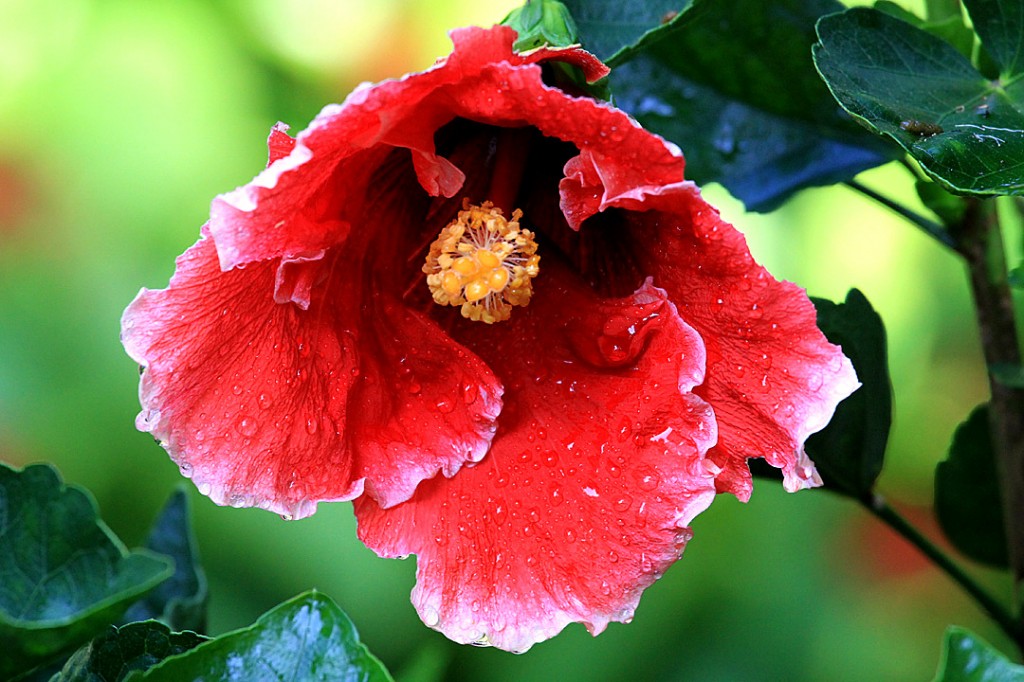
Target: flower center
(483,262)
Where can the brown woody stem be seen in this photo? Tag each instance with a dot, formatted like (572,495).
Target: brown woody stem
(980,242)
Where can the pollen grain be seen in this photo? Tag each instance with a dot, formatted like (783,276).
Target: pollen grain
(483,262)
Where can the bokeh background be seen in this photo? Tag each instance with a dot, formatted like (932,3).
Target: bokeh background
(120,120)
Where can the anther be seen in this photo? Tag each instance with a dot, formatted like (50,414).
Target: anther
(483,262)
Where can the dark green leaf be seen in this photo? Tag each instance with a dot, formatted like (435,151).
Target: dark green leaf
(849,452)
(607,27)
(967,498)
(906,84)
(306,638)
(180,602)
(117,652)
(951,29)
(733,84)
(1000,25)
(968,658)
(63,573)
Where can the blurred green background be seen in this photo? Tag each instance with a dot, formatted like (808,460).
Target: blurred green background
(119,122)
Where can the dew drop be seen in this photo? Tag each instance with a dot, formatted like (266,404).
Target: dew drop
(531,560)
(431,617)
(264,400)
(556,497)
(613,557)
(236,389)
(570,535)
(414,388)
(623,503)
(303,348)
(647,478)
(246,426)
(311,425)
(445,405)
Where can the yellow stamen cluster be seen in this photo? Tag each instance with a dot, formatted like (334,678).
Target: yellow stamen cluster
(483,262)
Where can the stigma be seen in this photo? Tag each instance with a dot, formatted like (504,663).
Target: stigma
(483,262)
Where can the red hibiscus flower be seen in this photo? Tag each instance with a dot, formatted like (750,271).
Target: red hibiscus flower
(498,318)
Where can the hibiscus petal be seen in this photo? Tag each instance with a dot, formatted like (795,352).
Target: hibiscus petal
(255,400)
(772,376)
(585,496)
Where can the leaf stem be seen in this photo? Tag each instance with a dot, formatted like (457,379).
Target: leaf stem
(931,228)
(878,506)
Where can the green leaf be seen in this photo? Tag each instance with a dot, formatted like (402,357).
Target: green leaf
(968,658)
(180,602)
(120,650)
(849,452)
(733,84)
(967,498)
(905,84)
(63,574)
(306,638)
(951,28)
(1000,25)
(610,27)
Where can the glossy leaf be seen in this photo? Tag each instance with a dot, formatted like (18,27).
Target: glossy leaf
(968,658)
(908,85)
(967,498)
(765,125)
(305,639)
(180,602)
(120,650)
(1000,25)
(63,573)
(849,452)
(610,27)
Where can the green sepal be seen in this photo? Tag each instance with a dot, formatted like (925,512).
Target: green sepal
(540,23)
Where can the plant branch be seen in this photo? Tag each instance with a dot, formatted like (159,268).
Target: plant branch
(878,506)
(931,228)
(980,242)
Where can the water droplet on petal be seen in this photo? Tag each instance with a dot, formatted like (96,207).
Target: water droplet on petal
(623,503)
(445,405)
(246,426)
(311,425)
(647,478)
(431,617)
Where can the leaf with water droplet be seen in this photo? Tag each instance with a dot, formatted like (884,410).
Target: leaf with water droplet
(968,658)
(912,87)
(766,126)
(306,638)
(64,576)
